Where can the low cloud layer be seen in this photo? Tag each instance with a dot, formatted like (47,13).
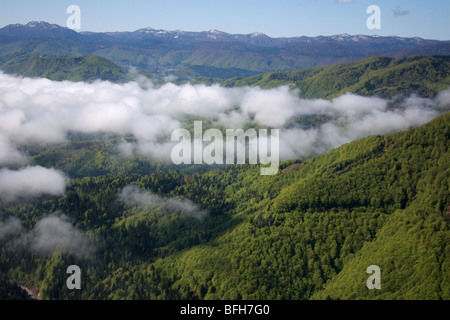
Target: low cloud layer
(30,182)
(44,111)
(134,196)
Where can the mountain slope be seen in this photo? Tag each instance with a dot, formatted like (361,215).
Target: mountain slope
(379,200)
(381,76)
(412,248)
(413,254)
(85,68)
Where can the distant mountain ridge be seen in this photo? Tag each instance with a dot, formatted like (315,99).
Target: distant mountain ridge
(162,51)
(255,38)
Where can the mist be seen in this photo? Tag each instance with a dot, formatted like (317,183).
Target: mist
(56,232)
(41,111)
(9,155)
(10,228)
(134,196)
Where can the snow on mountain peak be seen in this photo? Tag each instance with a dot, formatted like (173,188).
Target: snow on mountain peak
(41,24)
(215,31)
(257,34)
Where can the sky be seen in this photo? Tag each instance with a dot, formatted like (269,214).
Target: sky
(276,18)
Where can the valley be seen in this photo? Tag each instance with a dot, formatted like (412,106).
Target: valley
(87,178)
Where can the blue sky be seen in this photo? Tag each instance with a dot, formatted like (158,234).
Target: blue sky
(276,18)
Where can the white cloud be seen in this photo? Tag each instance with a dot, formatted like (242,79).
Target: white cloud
(272,108)
(30,182)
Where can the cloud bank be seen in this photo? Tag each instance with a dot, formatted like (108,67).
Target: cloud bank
(44,112)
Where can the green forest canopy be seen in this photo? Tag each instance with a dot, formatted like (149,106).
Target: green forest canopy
(309,232)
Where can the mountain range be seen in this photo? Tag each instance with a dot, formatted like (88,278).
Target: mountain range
(162,51)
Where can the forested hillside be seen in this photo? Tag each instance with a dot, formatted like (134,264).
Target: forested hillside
(380,76)
(84,68)
(145,230)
